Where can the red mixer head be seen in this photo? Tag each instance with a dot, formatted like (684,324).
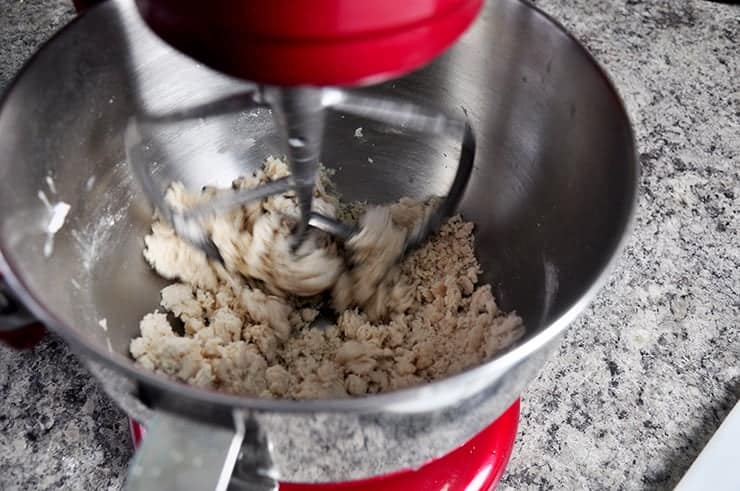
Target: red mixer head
(311,42)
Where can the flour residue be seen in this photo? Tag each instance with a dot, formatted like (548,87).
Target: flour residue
(50,183)
(94,237)
(57,215)
(92,240)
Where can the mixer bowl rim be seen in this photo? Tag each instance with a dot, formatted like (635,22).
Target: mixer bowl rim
(371,403)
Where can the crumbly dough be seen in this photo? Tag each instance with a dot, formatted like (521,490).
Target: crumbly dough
(247,326)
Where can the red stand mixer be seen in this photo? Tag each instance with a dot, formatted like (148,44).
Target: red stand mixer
(312,43)
(292,44)
(550,122)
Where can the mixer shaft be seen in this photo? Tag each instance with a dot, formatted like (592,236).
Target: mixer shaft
(300,113)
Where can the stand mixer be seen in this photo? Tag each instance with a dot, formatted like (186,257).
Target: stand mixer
(293,54)
(552,195)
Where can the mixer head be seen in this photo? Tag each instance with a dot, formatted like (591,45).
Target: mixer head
(295,49)
(319,43)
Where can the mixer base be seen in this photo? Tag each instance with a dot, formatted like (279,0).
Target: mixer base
(477,465)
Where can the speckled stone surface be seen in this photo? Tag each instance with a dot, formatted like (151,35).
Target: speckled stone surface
(641,380)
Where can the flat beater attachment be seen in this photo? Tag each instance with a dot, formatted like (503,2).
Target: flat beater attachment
(300,113)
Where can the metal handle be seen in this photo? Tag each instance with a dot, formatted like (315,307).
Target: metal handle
(178,453)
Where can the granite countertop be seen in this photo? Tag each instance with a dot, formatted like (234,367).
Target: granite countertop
(641,381)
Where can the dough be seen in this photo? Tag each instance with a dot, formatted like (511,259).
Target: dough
(248,324)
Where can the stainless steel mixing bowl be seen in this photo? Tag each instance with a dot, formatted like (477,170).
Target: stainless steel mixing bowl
(552,194)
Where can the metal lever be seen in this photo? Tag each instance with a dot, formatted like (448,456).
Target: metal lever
(183,454)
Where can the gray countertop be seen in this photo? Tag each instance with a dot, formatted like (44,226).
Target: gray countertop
(641,380)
